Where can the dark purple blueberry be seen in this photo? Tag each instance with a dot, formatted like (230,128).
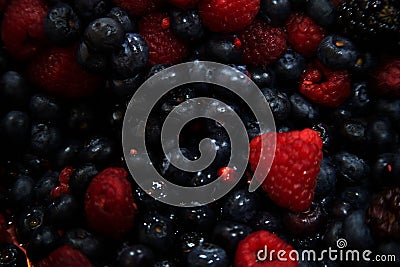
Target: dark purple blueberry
(122,17)
(125,88)
(354,134)
(91,9)
(104,34)
(275,12)
(341,209)
(364,63)
(381,135)
(28,221)
(303,110)
(90,60)
(131,57)
(351,168)
(63,212)
(67,155)
(278,102)
(222,48)
(201,219)
(357,196)
(45,185)
(35,165)
(327,133)
(389,107)
(45,139)
(337,52)
(12,256)
(207,255)
(98,150)
(43,241)
(80,119)
(135,255)
(322,11)
(186,24)
(326,180)
(14,90)
(61,25)
(356,231)
(81,177)
(306,223)
(88,243)
(21,192)
(386,169)
(156,69)
(16,127)
(44,108)
(156,231)
(333,233)
(290,66)
(240,206)
(266,220)
(187,242)
(228,235)
(262,76)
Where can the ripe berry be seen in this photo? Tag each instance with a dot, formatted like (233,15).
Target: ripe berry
(186,24)
(356,231)
(139,7)
(275,12)
(104,34)
(45,108)
(63,211)
(337,52)
(121,16)
(91,9)
(290,66)
(136,255)
(228,234)
(16,127)
(322,11)
(207,254)
(65,256)
(21,192)
(42,242)
(91,61)
(278,102)
(351,168)
(45,139)
(240,206)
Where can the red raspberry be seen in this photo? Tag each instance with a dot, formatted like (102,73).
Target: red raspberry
(248,251)
(386,78)
(184,4)
(139,7)
(63,178)
(292,177)
(325,87)
(262,44)
(57,72)
(22,28)
(164,46)
(304,34)
(65,256)
(228,16)
(109,203)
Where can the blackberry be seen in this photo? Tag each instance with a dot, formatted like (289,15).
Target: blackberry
(365,19)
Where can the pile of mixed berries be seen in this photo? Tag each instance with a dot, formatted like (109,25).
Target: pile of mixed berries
(329,69)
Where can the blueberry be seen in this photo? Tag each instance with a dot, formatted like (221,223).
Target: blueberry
(104,34)
(45,185)
(350,168)
(187,242)
(62,25)
(14,90)
(91,9)
(303,110)
(131,57)
(122,17)
(45,108)
(228,235)
(267,220)
(240,206)
(12,256)
(262,76)
(63,211)
(45,139)
(28,221)
(306,223)
(156,231)
(91,61)
(389,107)
(80,119)
(341,209)
(222,48)
(278,102)
(200,218)
(169,171)
(360,99)
(21,192)
(186,24)
(98,150)
(322,11)
(326,180)
(381,135)
(135,255)
(327,134)
(275,12)
(364,63)
(333,233)
(67,155)
(43,241)
(354,133)
(356,232)
(125,88)
(357,196)
(156,69)
(16,126)
(386,169)
(207,255)
(290,66)
(337,52)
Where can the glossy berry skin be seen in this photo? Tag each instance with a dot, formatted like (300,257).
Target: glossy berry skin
(278,102)
(201,219)
(91,61)
(305,223)
(326,181)
(44,186)
(136,255)
(103,34)
(290,66)
(357,232)
(122,17)
(228,234)
(62,25)
(63,211)
(322,11)
(131,57)
(186,24)
(45,139)
(337,52)
(385,169)
(262,76)
(98,150)
(351,168)
(207,254)
(81,178)
(275,12)
(12,256)
(240,206)
(28,221)
(187,242)
(222,48)
(45,108)
(21,192)
(42,242)
(268,221)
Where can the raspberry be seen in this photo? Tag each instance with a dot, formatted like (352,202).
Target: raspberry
(184,4)
(325,87)
(65,256)
(22,28)
(63,188)
(304,34)
(139,7)
(109,204)
(228,16)
(164,46)
(249,249)
(292,177)
(262,43)
(383,215)
(386,78)
(57,72)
